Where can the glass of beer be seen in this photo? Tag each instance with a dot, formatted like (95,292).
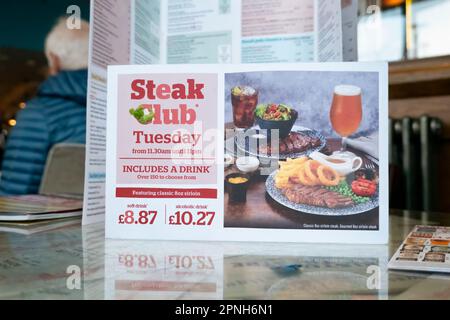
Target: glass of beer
(346,111)
(244,100)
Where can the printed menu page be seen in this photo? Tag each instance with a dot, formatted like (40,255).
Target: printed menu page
(329,31)
(427,248)
(349,30)
(277,31)
(200,32)
(109,45)
(146,30)
(248,153)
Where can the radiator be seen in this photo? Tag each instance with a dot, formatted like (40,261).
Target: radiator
(413,148)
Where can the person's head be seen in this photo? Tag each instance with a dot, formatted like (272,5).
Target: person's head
(67,49)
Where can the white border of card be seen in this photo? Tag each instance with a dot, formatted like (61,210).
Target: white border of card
(421,242)
(217,232)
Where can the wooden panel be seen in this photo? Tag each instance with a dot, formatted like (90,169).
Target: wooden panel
(419,70)
(426,88)
(438,106)
(419,78)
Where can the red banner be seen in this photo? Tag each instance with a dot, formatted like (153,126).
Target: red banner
(167,193)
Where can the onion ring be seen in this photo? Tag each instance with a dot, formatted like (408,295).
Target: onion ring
(311,170)
(304,178)
(334,181)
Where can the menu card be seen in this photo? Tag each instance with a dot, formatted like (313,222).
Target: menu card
(202,32)
(427,248)
(38,207)
(248,153)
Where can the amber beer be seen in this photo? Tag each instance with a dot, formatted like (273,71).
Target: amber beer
(346,110)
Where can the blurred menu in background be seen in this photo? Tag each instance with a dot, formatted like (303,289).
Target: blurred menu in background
(427,248)
(349,30)
(188,31)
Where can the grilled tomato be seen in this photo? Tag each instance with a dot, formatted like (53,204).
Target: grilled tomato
(363,187)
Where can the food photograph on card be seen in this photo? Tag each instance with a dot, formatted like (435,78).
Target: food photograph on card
(315,136)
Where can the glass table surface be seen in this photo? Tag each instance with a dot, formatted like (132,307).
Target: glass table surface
(72,262)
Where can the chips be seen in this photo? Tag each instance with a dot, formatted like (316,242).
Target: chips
(306,172)
(289,168)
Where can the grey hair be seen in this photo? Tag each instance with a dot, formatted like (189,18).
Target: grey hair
(71,46)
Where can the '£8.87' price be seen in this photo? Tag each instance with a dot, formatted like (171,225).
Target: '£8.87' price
(143,217)
(187,218)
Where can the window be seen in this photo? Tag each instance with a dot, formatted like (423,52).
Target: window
(407,29)
(431,28)
(381,37)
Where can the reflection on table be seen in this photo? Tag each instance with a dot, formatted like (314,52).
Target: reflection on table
(71,263)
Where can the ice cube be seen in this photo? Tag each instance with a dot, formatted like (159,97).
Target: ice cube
(248,91)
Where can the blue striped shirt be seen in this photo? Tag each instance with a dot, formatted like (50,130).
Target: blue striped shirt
(57,114)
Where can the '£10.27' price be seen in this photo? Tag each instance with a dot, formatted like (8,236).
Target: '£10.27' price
(143,217)
(188,218)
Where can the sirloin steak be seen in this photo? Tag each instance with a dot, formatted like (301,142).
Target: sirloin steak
(295,142)
(316,196)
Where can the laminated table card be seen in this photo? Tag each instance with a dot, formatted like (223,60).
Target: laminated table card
(278,152)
